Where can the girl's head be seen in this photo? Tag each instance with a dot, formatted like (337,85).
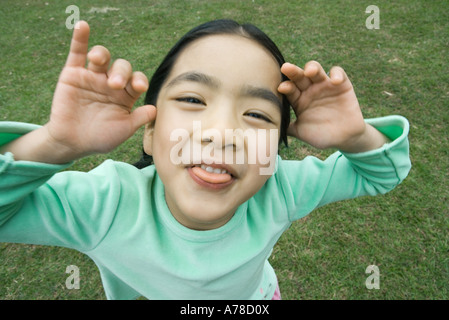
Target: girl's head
(220,77)
(216,27)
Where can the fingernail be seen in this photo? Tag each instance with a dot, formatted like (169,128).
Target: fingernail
(337,77)
(282,86)
(141,83)
(117,79)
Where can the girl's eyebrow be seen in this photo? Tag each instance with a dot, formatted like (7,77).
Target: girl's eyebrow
(262,93)
(214,83)
(194,76)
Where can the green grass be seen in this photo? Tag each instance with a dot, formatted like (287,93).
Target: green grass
(398,69)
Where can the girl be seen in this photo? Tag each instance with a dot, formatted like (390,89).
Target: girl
(202,228)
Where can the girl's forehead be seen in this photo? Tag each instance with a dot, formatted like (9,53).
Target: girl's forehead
(229,55)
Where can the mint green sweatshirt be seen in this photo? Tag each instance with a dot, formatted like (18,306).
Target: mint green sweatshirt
(117,215)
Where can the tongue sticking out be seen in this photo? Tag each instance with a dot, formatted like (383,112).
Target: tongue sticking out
(210,176)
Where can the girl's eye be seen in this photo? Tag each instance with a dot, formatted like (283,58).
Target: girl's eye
(258,116)
(190,100)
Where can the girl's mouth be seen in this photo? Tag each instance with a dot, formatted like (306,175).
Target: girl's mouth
(211,176)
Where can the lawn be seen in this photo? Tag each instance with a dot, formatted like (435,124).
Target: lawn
(396,69)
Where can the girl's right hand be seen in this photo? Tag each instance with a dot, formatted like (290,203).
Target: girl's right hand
(92,107)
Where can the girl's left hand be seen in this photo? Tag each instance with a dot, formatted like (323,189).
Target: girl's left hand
(327,111)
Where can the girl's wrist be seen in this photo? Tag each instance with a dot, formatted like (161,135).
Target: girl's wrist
(39,146)
(371,139)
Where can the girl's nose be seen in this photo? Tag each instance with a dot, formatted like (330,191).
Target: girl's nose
(225,139)
(222,129)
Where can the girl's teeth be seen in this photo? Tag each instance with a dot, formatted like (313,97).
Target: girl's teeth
(213,170)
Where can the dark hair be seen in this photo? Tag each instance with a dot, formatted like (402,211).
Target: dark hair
(216,27)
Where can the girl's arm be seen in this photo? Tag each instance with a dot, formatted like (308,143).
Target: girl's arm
(327,111)
(91,110)
(312,183)
(38,206)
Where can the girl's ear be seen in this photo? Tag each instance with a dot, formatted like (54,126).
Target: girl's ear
(148,138)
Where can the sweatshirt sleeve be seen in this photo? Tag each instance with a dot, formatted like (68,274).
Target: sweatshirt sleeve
(41,205)
(311,183)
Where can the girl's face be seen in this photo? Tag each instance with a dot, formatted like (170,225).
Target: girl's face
(218,106)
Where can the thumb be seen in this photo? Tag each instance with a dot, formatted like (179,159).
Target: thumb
(143,115)
(292,130)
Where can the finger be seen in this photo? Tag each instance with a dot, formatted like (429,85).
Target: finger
(143,115)
(137,85)
(99,58)
(296,75)
(78,46)
(291,91)
(315,72)
(337,75)
(119,74)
